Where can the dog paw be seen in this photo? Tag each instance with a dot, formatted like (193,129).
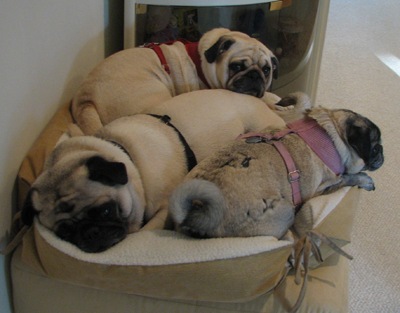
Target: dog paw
(362,180)
(367,183)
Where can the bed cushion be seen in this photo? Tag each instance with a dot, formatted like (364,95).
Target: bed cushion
(164,264)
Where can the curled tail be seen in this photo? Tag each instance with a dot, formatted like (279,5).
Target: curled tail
(293,107)
(197,207)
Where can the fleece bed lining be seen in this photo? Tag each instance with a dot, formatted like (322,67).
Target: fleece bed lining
(167,247)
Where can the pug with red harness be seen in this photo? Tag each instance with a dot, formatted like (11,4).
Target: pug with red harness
(133,80)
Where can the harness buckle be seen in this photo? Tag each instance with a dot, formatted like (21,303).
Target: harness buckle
(259,138)
(294,176)
(255,139)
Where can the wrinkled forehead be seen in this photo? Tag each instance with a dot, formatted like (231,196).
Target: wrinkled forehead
(243,41)
(256,53)
(375,133)
(57,185)
(250,57)
(253,46)
(373,130)
(61,170)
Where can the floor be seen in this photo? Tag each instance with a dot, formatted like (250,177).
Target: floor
(361,71)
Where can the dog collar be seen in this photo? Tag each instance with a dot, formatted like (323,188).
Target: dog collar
(315,136)
(190,156)
(191,49)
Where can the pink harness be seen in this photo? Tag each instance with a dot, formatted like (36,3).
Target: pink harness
(192,50)
(315,136)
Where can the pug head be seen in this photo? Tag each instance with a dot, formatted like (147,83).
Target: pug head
(364,138)
(86,200)
(357,139)
(237,62)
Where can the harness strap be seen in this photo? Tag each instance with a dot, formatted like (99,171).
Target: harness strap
(190,156)
(191,49)
(160,54)
(293,172)
(121,147)
(316,138)
(320,142)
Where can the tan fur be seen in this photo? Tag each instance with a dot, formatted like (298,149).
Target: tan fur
(133,80)
(128,82)
(74,130)
(158,164)
(243,190)
(210,119)
(245,49)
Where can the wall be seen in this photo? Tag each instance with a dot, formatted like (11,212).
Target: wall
(47,47)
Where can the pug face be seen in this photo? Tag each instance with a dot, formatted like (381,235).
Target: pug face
(365,138)
(86,200)
(238,63)
(97,229)
(358,140)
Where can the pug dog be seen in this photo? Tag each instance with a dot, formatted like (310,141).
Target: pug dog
(209,119)
(94,190)
(244,189)
(133,80)
(237,62)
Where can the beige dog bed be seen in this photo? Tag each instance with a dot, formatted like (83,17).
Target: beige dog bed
(164,271)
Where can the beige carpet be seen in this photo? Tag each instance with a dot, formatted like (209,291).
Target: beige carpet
(360,71)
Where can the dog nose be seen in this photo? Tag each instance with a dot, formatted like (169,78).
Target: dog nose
(92,233)
(254,74)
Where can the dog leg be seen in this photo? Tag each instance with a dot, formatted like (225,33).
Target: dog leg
(159,221)
(362,180)
(87,118)
(74,130)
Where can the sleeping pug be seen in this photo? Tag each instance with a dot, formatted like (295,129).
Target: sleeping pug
(94,190)
(133,80)
(245,188)
(209,119)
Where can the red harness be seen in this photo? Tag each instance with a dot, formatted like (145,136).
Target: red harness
(315,136)
(192,50)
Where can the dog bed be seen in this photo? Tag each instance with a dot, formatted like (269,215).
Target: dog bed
(183,274)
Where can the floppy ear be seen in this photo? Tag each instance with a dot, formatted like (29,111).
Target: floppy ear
(359,139)
(275,64)
(28,212)
(222,45)
(105,172)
